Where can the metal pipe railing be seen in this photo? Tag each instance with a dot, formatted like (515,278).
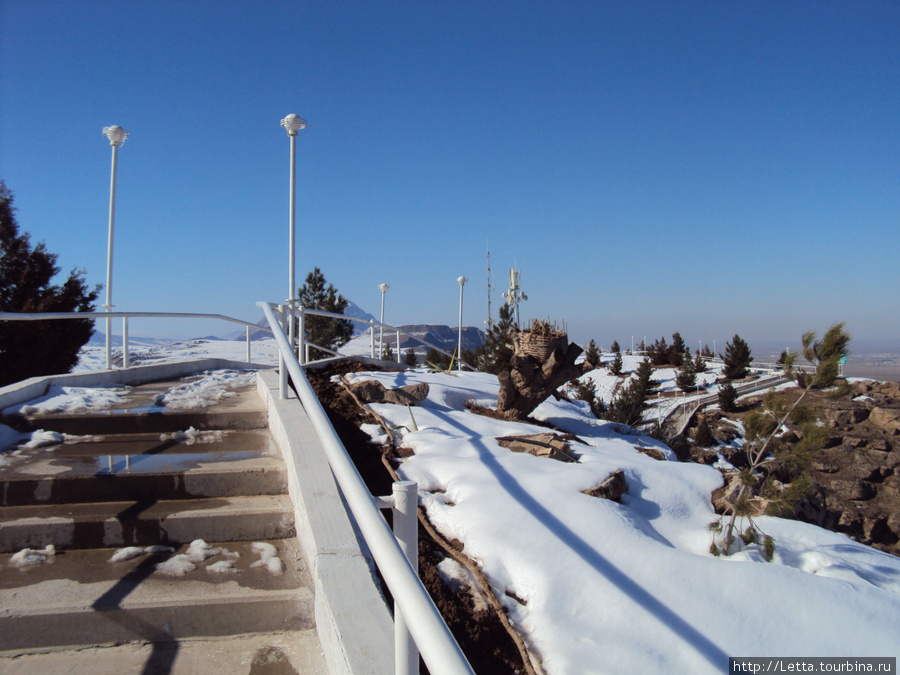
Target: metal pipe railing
(53,316)
(373,324)
(434,640)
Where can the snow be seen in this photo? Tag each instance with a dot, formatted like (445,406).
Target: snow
(213,386)
(70,400)
(192,436)
(609,587)
(29,556)
(268,557)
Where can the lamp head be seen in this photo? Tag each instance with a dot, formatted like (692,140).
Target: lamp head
(461,281)
(383,287)
(293,123)
(115,134)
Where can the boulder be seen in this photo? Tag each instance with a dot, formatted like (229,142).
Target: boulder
(612,488)
(886,419)
(540,445)
(372,391)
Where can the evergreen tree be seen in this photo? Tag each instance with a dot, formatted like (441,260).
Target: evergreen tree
(494,355)
(699,363)
(410,359)
(677,350)
(615,367)
(659,352)
(615,349)
(321,330)
(32,348)
(703,437)
(737,359)
(387,354)
(727,397)
(592,354)
(686,378)
(628,404)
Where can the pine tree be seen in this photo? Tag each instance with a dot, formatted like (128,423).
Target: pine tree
(32,348)
(494,355)
(677,350)
(628,404)
(737,359)
(686,378)
(699,363)
(615,349)
(321,330)
(703,437)
(659,352)
(615,367)
(387,354)
(410,359)
(592,354)
(727,397)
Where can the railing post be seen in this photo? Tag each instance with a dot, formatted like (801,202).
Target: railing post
(282,365)
(302,355)
(372,347)
(248,344)
(406,529)
(398,346)
(125,342)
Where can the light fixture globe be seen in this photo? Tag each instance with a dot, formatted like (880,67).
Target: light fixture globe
(115,134)
(383,287)
(293,123)
(461,281)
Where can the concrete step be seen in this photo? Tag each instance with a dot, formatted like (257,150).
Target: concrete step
(259,476)
(80,598)
(145,523)
(295,652)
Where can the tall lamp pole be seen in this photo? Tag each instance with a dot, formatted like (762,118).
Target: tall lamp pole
(292,124)
(462,282)
(383,288)
(116,136)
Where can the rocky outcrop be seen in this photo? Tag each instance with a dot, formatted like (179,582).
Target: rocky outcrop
(372,391)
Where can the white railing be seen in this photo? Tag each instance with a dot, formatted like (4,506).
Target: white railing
(52,316)
(416,609)
(304,346)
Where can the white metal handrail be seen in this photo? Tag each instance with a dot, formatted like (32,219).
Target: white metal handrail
(372,323)
(52,316)
(429,631)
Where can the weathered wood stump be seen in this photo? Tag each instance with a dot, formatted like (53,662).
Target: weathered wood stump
(533,377)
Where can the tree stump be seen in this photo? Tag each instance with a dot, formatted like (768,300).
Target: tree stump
(531,379)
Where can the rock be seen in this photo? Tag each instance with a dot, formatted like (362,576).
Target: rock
(887,419)
(850,522)
(612,488)
(703,456)
(879,444)
(854,442)
(866,465)
(853,490)
(876,531)
(411,394)
(372,391)
(540,445)
(825,466)
(651,452)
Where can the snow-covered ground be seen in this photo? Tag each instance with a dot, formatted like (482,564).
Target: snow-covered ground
(630,587)
(604,587)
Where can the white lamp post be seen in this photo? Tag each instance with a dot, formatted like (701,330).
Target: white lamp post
(462,282)
(116,136)
(383,288)
(292,124)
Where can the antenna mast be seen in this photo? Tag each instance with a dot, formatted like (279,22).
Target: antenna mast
(515,295)
(490,287)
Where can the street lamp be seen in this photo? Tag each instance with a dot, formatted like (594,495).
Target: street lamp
(292,124)
(116,136)
(462,282)
(383,288)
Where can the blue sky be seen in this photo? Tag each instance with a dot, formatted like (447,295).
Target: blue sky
(707,167)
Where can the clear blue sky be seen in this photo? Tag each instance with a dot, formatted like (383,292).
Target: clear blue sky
(706,167)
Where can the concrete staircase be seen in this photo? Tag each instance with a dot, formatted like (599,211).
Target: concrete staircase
(141,475)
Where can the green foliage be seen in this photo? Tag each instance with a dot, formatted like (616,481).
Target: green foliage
(727,397)
(495,354)
(586,390)
(616,366)
(32,348)
(410,359)
(592,354)
(437,358)
(768,548)
(686,379)
(615,349)
(658,352)
(630,401)
(825,355)
(699,363)
(321,330)
(703,437)
(677,350)
(737,359)
(387,354)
